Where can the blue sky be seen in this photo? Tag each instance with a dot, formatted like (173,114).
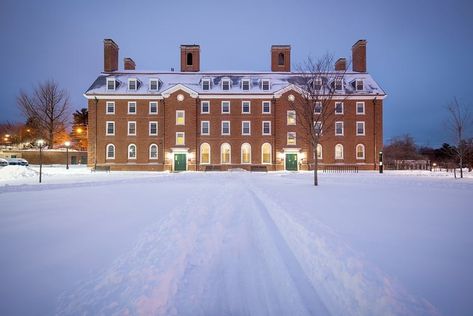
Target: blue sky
(419,51)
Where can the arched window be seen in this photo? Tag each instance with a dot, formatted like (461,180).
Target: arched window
(132,151)
(205,154)
(189,59)
(246,153)
(110,151)
(360,151)
(266,153)
(319,151)
(281,59)
(225,153)
(153,151)
(338,151)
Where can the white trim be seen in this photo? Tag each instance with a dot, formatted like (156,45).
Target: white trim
(335,108)
(123,97)
(343,128)
(262,128)
(157,84)
(249,107)
(295,138)
(340,158)
(106,128)
(149,128)
(262,107)
(290,87)
(241,154)
(128,130)
(269,84)
(136,108)
(356,151)
(206,80)
(107,157)
(356,108)
(270,154)
(249,84)
(167,93)
(243,129)
(183,138)
(202,127)
(229,107)
(202,107)
(364,128)
(224,96)
(221,154)
(136,151)
(183,117)
(149,108)
(149,152)
(210,159)
(229,84)
(287,118)
(362,83)
(114,84)
(106,107)
(136,84)
(221,128)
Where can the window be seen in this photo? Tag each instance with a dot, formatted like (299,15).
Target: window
(153,107)
(225,127)
(360,151)
(226,84)
(180,138)
(360,107)
(245,84)
(360,128)
(132,84)
(205,107)
(318,127)
(205,154)
(153,151)
(111,84)
(110,108)
(359,84)
(266,127)
(132,107)
(132,128)
(281,59)
(225,107)
(225,153)
(318,84)
(153,84)
(266,107)
(319,151)
(180,118)
(266,153)
(338,151)
(206,84)
(339,128)
(291,117)
(318,107)
(205,128)
(245,127)
(265,84)
(110,151)
(189,59)
(338,84)
(291,138)
(246,153)
(153,128)
(338,107)
(245,107)
(110,131)
(132,151)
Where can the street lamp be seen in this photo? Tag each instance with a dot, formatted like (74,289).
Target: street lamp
(40,143)
(67,144)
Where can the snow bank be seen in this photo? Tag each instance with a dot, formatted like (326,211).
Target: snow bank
(9,173)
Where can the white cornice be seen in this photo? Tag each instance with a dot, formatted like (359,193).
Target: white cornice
(167,93)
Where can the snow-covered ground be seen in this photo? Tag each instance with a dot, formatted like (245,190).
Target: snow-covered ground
(234,243)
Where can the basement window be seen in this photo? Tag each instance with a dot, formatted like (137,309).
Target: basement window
(111,84)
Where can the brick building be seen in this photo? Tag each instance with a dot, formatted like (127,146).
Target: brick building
(195,120)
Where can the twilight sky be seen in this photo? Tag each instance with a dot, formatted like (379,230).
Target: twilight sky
(420,52)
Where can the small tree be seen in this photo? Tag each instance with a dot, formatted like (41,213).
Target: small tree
(48,107)
(459,122)
(78,134)
(314,109)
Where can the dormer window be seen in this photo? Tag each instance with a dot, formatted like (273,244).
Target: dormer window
(226,84)
(318,83)
(359,84)
(206,84)
(338,84)
(132,84)
(265,84)
(111,84)
(153,84)
(245,84)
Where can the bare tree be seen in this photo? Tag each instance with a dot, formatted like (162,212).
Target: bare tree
(315,111)
(459,122)
(48,107)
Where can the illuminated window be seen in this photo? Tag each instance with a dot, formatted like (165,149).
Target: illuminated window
(291,138)
(225,153)
(110,151)
(291,117)
(246,153)
(360,151)
(205,154)
(266,153)
(180,138)
(180,118)
(319,151)
(338,151)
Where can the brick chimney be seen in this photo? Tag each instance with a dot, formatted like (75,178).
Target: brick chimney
(190,58)
(359,56)
(110,55)
(129,63)
(281,58)
(341,64)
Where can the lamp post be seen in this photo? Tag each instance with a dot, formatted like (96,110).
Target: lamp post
(67,144)
(380,162)
(40,143)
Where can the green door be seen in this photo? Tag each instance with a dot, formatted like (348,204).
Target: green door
(180,162)
(291,162)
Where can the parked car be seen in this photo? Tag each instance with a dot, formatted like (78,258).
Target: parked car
(3,162)
(17,162)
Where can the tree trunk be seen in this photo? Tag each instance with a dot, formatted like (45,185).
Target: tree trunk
(316,164)
(461,168)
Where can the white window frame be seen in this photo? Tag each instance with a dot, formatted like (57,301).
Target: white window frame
(183,138)
(202,128)
(136,151)
(262,128)
(243,84)
(343,128)
(130,80)
(229,84)
(221,154)
(269,107)
(136,107)
(356,151)
(202,107)
(221,107)
(356,109)
(221,129)
(149,108)
(263,82)
(183,117)
(343,108)
(243,128)
(128,129)
(149,128)
(106,151)
(149,152)
(335,152)
(106,128)
(295,138)
(270,154)
(241,154)
(114,84)
(208,81)
(364,128)
(106,107)
(151,82)
(362,84)
(287,117)
(249,107)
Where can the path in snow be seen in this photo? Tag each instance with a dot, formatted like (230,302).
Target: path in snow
(228,249)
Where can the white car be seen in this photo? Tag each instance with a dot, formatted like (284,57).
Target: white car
(3,162)
(17,162)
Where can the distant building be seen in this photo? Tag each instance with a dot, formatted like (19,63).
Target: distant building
(195,120)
